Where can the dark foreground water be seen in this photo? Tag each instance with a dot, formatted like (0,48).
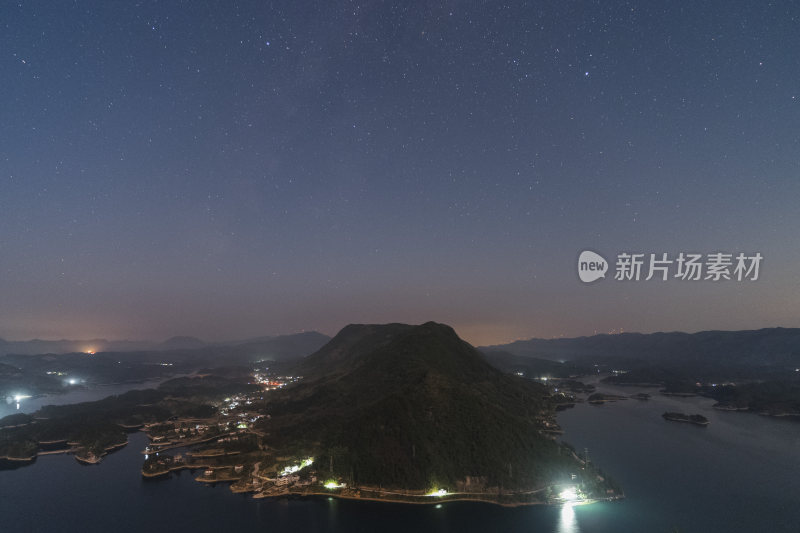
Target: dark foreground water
(740,474)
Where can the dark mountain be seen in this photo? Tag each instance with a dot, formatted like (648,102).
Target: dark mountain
(753,348)
(281,347)
(533,367)
(181,343)
(349,347)
(415,407)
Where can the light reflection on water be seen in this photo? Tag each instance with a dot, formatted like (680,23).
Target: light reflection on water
(567,522)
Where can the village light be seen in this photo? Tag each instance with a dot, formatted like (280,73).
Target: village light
(294,468)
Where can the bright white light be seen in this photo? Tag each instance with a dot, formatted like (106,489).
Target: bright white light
(294,468)
(567,523)
(569,494)
(331,485)
(439,492)
(72,381)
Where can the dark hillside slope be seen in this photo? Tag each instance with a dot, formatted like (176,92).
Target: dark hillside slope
(416,407)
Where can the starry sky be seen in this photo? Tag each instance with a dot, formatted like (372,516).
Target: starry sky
(233,169)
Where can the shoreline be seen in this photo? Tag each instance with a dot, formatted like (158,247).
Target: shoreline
(95,459)
(18,459)
(390,497)
(171,469)
(433,500)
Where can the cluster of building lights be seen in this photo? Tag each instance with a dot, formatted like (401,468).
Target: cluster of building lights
(571,495)
(296,468)
(274,382)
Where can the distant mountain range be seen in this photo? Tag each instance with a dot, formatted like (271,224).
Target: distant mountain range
(775,347)
(281,346)
(43,373)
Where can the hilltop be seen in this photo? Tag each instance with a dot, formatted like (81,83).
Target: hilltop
(416,407)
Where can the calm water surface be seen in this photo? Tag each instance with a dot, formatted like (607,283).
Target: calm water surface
(77,395)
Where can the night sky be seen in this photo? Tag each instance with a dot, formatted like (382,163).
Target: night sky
(233,169)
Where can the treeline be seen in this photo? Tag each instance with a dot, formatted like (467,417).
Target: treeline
(772,397)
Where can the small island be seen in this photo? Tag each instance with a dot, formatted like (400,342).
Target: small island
(601,398)
(699,420)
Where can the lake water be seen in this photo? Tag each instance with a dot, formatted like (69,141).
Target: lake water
(77,395)
(740,474)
